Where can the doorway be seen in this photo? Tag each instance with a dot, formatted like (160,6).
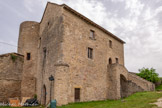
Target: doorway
(77,94)
(44,95)
(123,86)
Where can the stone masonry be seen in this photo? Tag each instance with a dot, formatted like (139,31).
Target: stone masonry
(86,61)
(10,76)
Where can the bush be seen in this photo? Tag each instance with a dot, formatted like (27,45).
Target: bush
(149,74)
(13,57)
(35,96)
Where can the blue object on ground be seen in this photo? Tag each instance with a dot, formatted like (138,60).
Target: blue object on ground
(53,104)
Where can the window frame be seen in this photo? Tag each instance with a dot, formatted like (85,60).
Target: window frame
(78,97)
(117,60)
(92,34)
(110,44)
(110,61)
(28,56)
(90,53)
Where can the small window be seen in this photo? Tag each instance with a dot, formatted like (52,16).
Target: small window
(110,43)
(39,44)
(45,52)
(90,53)
(48,25)
(28,56)
(110,61)
(117,60)
(92,34)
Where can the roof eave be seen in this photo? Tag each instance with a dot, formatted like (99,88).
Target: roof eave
(84,18)
(91,22)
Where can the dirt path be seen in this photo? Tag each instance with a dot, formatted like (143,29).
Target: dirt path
(158,103)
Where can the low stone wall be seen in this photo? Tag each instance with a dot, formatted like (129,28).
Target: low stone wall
(10,76)
(117,79)
(123,83)
(9,89)
(144,84)
(132,88)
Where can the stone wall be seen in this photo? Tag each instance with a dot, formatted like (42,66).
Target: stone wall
(90,75)
(144,84)
(28,43)
(117,80)
(123,83)
(11,67)
(132,88)
(59,47)
(64,39)
(50,55)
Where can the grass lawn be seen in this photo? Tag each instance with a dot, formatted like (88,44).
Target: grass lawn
(159,88)
(20,107)
(137,100)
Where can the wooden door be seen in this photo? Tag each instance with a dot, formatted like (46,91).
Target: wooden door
(77,94)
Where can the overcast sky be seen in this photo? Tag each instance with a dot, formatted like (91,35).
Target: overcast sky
(137,22)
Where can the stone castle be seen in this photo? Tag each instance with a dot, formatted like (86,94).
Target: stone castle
(86,61)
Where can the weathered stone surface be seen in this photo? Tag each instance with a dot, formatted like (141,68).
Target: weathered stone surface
(10,76)
(64,39)
(144,84)
(28,43)
(116,74)
(59,47)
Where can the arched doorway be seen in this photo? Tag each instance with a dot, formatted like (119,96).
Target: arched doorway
(110,61)
(123,86)
(44,95)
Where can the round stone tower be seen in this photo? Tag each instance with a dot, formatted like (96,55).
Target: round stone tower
(28,46)
(28,37)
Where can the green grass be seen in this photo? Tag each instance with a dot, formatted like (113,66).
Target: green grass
(159,88)
(137,100)
(20,107)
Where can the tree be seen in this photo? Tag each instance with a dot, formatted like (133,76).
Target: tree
(149,74)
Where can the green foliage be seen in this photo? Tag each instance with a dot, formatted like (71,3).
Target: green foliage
(137,100)
(13,57)
(35,96)
(159,88)
(149,74)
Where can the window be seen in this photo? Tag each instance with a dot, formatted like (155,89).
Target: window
(28,56)
(92,34)
(45,52)
(39,44)
(90,53)
(110,43)
(77,94)
(117,60)
(110,61)
(48,25)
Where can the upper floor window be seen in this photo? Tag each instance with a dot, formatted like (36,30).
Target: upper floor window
(110,61)
(92,34)
(110,43)
(28,56)
(44,51)
(90,53)
(117,60)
